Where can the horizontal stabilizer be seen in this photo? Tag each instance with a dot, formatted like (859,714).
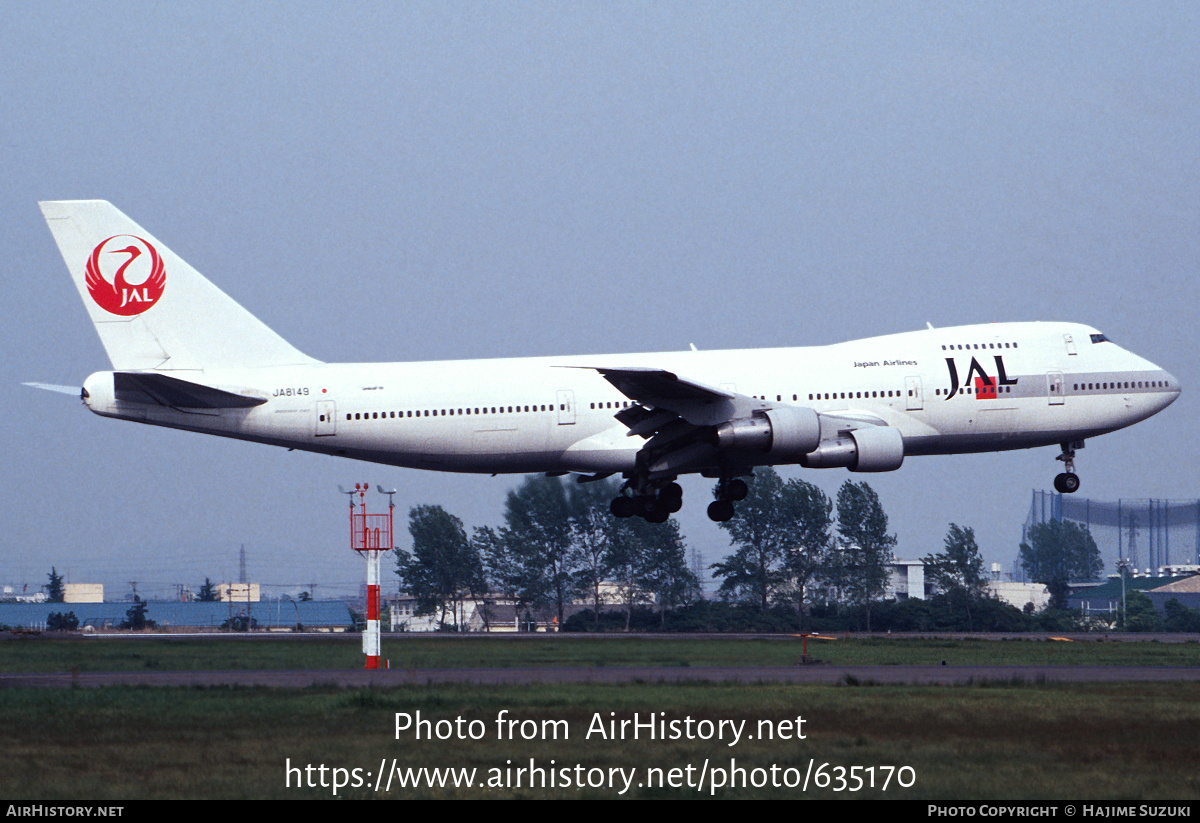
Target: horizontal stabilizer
(144,387)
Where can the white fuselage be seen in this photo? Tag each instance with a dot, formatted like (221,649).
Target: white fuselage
(953,390)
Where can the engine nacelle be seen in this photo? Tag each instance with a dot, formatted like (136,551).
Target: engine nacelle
(869,449)
(784,434)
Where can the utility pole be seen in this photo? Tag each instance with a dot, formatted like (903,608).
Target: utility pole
(1123,567)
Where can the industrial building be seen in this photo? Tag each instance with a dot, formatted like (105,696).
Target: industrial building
(1149,534)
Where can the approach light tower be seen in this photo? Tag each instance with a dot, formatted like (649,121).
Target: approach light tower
(370,536)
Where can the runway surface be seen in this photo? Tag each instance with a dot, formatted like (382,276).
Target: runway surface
(814,674)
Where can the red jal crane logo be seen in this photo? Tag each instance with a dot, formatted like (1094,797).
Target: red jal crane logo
(125,275)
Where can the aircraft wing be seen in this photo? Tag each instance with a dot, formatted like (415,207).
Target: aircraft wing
(676,415)
(690,400)
(649,385)
(687,423)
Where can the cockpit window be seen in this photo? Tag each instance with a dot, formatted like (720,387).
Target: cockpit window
(1100,338)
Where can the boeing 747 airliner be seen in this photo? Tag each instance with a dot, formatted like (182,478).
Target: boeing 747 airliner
(186,356)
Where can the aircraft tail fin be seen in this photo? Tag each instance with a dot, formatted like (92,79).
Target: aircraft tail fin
(151,309)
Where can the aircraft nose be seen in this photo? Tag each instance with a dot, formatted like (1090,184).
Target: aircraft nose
(1171,391)
(1173,384)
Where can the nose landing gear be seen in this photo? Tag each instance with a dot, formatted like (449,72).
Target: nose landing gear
(1068,481)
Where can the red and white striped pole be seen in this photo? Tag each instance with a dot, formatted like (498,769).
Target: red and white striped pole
(369,534)
(371,635)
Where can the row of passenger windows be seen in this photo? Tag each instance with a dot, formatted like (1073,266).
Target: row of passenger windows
(1128,384)
(476,411)
(969,346)
(985,389)
(851,395)
(451,412)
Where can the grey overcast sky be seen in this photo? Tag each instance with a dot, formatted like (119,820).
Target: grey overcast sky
(416,181)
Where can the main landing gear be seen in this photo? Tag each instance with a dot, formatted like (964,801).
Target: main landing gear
(657,500)
(729,491)
(1068,481)
(655,503)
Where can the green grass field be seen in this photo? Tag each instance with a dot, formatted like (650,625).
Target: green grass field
(207,652)
(984,742)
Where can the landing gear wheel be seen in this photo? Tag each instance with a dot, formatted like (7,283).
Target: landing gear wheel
(670,498)
(623,507)
(1066,483)
(649,508)
(736,489)
(720,511)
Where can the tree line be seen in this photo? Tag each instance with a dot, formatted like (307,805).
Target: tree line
(558,545)
(793,548)
(830,560)
(799,560)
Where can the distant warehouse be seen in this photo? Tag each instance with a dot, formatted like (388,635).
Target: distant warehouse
(83,593)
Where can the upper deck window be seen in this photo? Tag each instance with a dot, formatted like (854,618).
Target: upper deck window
(1100,338)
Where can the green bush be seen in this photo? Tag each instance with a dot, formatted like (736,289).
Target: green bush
(62,622)
(1179,618)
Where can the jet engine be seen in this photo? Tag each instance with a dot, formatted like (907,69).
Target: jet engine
(784,434)
(869,449)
